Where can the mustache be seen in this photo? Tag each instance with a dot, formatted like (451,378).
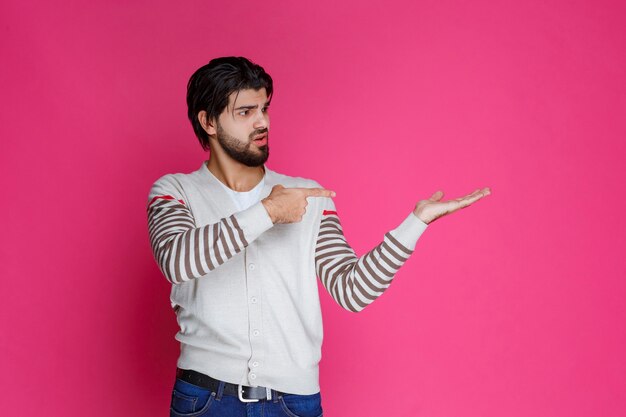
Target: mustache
(258,132)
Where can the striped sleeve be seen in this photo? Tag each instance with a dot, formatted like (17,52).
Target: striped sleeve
(184,251)
(354,282)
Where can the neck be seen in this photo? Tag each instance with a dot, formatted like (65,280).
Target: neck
(235,175)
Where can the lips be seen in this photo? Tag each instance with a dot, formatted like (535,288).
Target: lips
(260,140)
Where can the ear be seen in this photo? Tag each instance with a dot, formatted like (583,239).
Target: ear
(207,125)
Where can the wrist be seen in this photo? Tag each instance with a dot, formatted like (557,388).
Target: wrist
(268,207)
(421,217)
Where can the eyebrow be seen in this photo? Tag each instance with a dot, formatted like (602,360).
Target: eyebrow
(267,104)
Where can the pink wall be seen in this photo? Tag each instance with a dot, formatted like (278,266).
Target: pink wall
(512,307)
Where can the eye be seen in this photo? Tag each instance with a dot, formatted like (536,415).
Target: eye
(265,109)
(243,112)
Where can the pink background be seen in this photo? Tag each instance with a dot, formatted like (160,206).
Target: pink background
(511,307)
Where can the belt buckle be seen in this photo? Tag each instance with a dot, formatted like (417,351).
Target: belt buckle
(244,400)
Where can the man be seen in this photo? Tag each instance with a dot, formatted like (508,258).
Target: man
(243,245)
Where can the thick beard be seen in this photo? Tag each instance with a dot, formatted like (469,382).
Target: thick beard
(241,152)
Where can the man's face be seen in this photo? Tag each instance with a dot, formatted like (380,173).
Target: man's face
(243,121)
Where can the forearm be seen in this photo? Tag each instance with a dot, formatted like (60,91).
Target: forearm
(355,282)
(184,251)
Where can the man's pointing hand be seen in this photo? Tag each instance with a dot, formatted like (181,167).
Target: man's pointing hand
(433,208)
(288,205)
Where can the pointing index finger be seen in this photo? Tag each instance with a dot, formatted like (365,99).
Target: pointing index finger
(319,192)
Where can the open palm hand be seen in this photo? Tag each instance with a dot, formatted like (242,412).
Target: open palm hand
(433,208)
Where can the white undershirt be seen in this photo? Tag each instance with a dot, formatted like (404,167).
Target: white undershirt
(245,199)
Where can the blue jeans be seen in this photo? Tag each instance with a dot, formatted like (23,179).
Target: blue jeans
(192,400)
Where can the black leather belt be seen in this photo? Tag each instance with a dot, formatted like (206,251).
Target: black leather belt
(245,393)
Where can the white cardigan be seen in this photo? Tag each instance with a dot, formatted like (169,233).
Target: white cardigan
(244,289)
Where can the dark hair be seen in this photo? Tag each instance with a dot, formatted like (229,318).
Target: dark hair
(210,86)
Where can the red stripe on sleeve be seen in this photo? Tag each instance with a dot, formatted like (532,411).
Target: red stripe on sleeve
(328,212)
(166,197)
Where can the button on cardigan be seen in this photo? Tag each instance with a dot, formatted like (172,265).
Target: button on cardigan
(244,289)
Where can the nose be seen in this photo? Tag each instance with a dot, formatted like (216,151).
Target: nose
(262,120)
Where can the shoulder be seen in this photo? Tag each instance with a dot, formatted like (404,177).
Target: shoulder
(169,186)
(291,181)
(169,181)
